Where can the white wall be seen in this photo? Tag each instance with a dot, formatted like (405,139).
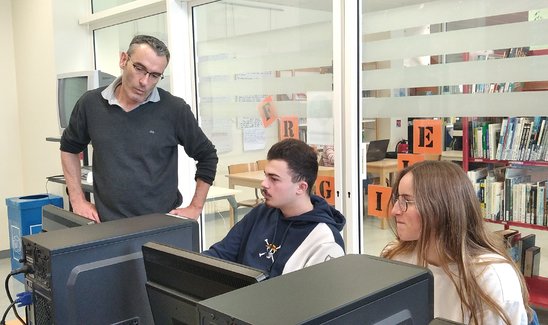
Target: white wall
(11,171)
(31,58)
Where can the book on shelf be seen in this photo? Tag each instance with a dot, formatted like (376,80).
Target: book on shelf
(477,174)
(541,216)
(538,143)
(542,150)
(524,137)
(511,181)
(533,138)
(502,138)
(526,242)
(514,138)
(509,138)
(511,239)
(531,261)
(492,198)
(493,130)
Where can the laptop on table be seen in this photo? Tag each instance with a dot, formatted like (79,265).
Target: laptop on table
(376,150)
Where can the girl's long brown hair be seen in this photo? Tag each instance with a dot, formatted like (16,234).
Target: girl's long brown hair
(453,225)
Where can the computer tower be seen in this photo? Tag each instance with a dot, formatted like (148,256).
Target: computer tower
(353,289)
(94,274)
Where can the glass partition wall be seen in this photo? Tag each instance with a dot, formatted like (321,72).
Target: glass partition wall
(468,63)
(457,61)
(263,73)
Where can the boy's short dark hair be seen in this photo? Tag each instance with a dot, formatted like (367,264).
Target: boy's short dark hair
(301,159)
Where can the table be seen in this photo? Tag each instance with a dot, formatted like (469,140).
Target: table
(255,178)
(60,179)
(452,155)
(214,193)
(222,193)
(384,168)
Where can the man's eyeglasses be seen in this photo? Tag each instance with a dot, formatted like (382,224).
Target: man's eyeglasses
(142,71)
(403,204)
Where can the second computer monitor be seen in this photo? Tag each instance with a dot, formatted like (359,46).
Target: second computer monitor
(177,279)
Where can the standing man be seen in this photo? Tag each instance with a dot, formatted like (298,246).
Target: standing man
(135,129)
(292,229)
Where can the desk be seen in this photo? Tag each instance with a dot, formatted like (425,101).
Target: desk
(221,193)
(60,179)
(255,178)
(452,155)
(383,168)
(214,193)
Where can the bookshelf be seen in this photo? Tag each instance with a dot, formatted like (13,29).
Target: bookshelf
(520,197)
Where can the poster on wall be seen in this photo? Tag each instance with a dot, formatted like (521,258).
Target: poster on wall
(254,139)
(248,122)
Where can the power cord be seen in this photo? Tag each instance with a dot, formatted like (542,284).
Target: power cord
(24,298)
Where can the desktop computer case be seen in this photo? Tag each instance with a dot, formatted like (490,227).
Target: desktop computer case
(95,274)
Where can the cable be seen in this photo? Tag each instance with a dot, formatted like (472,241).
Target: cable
(24,269)
(6,285)
(12,305)
(24,299)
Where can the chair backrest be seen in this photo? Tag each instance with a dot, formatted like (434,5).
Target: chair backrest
(261,164)
(242,168)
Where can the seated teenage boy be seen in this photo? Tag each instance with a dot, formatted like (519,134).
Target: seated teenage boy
(292,229)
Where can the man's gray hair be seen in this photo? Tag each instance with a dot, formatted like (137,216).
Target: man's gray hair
(158,46)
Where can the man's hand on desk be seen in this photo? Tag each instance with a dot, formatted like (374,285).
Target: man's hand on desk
(86,209)
(190,211)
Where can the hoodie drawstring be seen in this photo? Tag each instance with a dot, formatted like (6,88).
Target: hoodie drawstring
(284,236)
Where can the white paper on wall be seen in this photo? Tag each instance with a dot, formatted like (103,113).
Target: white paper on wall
(254,139)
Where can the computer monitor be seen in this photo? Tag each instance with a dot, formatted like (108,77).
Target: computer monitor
(55,218)
(177,279)
(352,289)
(70,86)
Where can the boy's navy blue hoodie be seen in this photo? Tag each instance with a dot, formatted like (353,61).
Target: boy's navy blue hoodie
(266,240)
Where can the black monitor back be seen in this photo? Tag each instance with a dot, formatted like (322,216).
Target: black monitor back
(95,274)
(177,279)
(353,289)
(55,218)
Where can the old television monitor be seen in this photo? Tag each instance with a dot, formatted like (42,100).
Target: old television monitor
(352,289)
(55,218)
(177,279)
(70,86)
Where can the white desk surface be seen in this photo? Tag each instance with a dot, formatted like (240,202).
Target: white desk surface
(217,193)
